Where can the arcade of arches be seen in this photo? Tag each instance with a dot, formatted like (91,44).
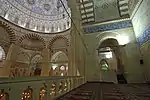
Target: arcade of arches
(28,51)
(65,43)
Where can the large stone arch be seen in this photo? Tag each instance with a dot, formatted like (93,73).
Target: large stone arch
(59,53)
(31,36)
(112,40)
(59,37)
(106,35)
(9,30)
(58,60)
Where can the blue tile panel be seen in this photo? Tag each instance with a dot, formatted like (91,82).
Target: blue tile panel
(107,27)
(144,37)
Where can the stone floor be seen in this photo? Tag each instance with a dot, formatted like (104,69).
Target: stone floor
(108,91)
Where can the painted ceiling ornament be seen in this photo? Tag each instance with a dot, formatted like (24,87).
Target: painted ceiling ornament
(59,5)
(35,14)
(105,6)
(20,1)
(31,2)
(132,4)
(37,10)
(114,4)
(47,7)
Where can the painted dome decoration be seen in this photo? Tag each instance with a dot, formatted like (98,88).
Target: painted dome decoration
(48,16)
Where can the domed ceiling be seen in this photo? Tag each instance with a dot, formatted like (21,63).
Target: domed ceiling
(48,16)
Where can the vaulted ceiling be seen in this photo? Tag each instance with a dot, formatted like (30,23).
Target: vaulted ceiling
(50,16)
(93,11)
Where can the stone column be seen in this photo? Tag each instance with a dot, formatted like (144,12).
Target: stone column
(45,62)
(76,34)
(71,55)
(10,59)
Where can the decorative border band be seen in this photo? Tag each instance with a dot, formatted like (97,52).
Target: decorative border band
(144,37)
(107,27)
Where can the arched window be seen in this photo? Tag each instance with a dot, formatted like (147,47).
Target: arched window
(2,56)
(36,65)
(104,65)
(59,64)
(42,93)
(27,94)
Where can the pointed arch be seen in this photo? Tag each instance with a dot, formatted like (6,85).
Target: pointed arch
(9,30)
(106,35)
(59,37)
(36,58)
(55,56)
(31,36)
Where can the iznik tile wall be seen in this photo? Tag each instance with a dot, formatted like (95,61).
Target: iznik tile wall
(141,22)
(144,37)
(107,27)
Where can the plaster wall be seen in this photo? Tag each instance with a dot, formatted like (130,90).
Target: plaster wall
(141,23)
(129,55)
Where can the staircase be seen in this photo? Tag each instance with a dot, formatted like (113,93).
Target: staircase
(108,91)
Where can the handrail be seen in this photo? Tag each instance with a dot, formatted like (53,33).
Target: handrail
(34,78)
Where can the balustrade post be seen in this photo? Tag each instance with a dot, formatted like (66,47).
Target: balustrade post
(16,93)
(36,93)
(57,87)
(47,89)
(69,84)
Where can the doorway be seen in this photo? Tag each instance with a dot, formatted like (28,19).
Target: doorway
(110,61)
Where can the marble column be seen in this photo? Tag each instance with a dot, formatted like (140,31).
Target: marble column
(10,59)
(45,62)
